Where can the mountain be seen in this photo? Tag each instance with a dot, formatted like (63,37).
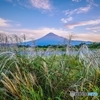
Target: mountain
(52,39)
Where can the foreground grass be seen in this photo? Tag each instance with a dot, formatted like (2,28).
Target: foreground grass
(27,77)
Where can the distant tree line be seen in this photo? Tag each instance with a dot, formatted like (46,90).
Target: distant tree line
(24,46)
(93,45)
(54,46)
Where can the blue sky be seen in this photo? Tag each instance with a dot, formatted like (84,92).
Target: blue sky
(36,18)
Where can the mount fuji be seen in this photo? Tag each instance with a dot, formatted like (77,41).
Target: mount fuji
(52,39)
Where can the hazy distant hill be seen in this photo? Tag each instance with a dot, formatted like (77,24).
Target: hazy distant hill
(52,39)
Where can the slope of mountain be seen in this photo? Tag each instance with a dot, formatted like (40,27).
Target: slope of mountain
(52,39)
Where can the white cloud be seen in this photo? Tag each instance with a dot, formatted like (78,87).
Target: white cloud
(93,28)
(83,9)
(91,2)
(41,4)
(75,11)
(65,20)
(88,37)
(4,23)
(38,33)
(8,23)
(76,0)
(78,10)
(83,23)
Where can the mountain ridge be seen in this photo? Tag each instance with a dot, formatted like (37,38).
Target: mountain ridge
(52,39)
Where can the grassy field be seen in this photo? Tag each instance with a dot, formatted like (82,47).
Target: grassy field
(43,74)
(30,76)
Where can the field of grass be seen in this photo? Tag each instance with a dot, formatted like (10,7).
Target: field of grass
(30,76)
(38,74)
